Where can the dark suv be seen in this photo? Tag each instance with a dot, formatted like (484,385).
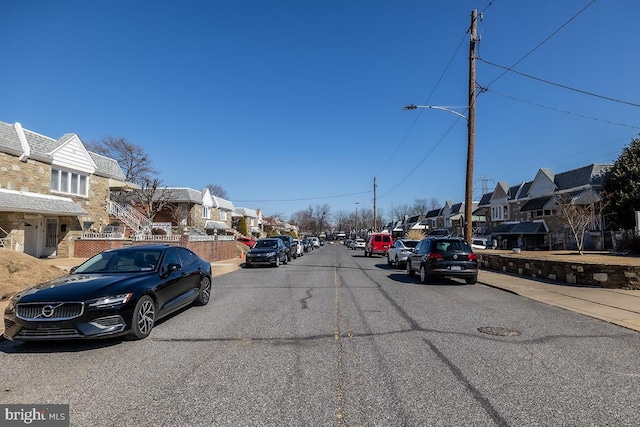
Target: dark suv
(443,257)
(290,244)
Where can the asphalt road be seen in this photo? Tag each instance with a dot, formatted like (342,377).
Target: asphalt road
(334,338)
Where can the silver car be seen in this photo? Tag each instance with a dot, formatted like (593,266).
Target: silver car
(401,249)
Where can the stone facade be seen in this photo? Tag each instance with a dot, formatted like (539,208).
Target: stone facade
(574,273)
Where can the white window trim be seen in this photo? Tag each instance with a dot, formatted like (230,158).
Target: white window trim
(56,174)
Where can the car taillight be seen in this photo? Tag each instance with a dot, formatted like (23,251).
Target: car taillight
(473,257)
(434,255)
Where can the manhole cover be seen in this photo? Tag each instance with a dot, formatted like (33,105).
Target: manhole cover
(501,332)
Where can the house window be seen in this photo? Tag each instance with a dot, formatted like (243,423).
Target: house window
(69,182)
(223,215)
(498,213)
(205,212)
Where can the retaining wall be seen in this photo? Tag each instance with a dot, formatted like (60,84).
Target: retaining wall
(574,273)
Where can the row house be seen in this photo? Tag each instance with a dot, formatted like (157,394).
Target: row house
(52,190)
(198,212)
(253,220)
(526,215)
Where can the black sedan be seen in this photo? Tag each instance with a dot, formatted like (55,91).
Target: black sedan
(440,257)
(267,252)
(117,292)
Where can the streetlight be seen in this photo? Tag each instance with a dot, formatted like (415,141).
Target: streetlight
(468,196)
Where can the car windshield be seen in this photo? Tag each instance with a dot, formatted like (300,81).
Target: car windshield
(121,261)
(266,244)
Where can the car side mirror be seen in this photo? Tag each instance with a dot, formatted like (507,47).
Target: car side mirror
(173,267)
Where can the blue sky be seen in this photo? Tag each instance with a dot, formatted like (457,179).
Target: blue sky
(292,104)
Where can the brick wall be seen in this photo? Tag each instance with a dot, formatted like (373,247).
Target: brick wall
(217,250)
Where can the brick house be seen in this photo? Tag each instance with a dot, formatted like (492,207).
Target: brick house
(51,190)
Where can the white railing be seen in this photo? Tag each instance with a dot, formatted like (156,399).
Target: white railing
(134,219)
(101,236)
(8,238)
(158,238)
(164,226)
(223,237)
(198,238)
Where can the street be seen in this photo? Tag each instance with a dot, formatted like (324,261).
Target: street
(336,338)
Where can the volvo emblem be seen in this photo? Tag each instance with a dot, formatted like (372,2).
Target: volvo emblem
(455,257)
(48,310)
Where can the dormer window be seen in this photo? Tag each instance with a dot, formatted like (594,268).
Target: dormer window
(68,182)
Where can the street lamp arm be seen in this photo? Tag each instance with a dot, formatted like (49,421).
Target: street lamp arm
(438,107)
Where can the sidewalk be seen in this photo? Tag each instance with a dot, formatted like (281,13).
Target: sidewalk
(617,306)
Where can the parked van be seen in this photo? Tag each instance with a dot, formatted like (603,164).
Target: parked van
(378,243)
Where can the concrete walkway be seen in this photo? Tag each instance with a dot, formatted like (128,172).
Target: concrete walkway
(617,306)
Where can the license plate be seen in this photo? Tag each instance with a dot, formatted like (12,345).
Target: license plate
(456,268)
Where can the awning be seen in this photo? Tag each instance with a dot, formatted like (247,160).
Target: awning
(523,227)
(115,184)
(216,225)
(25,202)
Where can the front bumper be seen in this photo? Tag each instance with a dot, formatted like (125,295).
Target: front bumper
(92,325)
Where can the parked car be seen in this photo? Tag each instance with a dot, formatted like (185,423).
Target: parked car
(247,241)
(378,244)
(358,244)
(479,243)
(401,249)
(117,292)
(270,252)
(440,257)
(289,244)
(299,247)
(315,242)
(306,244)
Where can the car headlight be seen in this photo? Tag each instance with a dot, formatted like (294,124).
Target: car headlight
(11,307)
(111,301)
(271,254)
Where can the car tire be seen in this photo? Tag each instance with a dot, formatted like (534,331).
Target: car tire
(423,275)
(277,263)
(397,261)
(389,260)
(143,319)
(247,265)
(471,280)
(204,294)
(285,260)
(410,272)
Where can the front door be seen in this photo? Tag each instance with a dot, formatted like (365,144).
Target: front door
(50,237)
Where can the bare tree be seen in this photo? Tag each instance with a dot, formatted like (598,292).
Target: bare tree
(133,160)
(434,204)
(153,197)
(217,190)
(581,215)
(420,207)
(399,212)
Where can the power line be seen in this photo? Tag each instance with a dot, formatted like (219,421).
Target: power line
(507,69)
(584,92)
(562,111)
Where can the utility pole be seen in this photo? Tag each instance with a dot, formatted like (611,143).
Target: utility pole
(471,124)
(375,212)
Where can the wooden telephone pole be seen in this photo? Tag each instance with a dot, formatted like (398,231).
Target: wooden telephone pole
(471,133)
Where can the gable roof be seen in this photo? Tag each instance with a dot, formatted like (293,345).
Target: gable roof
(43,148)
(180,194)
(591,175)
